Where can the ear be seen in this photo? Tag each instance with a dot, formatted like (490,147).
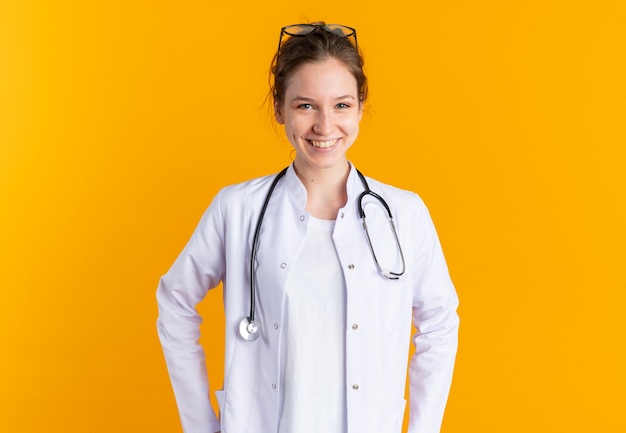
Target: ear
(360,110)
(278,113)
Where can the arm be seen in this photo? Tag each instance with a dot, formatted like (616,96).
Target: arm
(435,317)
(198,268)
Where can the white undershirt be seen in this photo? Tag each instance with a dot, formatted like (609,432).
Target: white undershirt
(314,398)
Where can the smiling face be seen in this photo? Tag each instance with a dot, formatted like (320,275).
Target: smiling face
(321,111)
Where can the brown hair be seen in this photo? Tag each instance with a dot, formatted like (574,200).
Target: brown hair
(316,46)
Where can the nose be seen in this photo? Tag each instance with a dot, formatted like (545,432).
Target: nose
(323,123)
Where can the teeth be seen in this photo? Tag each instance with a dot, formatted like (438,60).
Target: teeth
(324,144)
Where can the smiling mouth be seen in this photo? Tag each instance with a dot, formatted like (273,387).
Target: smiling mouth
(323,144)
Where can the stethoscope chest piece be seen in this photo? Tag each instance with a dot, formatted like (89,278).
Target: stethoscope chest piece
(250,330)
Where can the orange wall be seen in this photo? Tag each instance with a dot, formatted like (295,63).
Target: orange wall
(120,120)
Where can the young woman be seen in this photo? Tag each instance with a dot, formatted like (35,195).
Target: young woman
(318,304)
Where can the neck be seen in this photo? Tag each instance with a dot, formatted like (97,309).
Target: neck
(326,189)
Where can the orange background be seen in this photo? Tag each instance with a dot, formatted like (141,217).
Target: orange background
(119,121)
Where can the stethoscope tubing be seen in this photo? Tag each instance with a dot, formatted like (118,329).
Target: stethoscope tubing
(384,272)
(249,329)
(255,243)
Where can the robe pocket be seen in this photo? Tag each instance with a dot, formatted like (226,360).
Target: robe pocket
(394,301)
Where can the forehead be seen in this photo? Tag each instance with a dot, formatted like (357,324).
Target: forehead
(322,78)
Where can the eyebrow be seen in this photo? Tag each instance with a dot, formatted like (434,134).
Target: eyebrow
(338,98)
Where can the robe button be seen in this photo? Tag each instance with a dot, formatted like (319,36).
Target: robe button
(342,214)
(275,325)
(301,217)
(273,386)
(351,266)
(283,265)
(355,326)
(355,386)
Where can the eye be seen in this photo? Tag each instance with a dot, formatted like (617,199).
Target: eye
(305,106)
(343,105)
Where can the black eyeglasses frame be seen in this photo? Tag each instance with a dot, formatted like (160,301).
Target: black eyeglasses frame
(345,31)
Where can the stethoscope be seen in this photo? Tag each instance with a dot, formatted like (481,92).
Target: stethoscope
(249,328)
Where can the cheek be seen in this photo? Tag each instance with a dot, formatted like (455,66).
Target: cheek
(296,124)
(352,126)
(291,130)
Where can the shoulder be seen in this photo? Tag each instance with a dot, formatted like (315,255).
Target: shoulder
(407,208)
(410,213)
(397,197)
(236,203)
(241,193)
